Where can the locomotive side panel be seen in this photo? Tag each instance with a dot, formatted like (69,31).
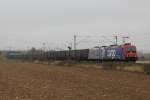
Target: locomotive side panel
(97,54)
(115,53)
(111,53)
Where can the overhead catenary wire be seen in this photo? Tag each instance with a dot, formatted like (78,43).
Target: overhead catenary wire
(78,41)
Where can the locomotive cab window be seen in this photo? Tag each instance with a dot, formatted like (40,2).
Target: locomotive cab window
(131,50)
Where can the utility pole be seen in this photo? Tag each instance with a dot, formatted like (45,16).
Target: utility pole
(116,40)
(44,48)
(75,44)
(75,40)
(124,39)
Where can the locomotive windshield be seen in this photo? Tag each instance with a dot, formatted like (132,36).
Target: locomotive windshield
(131,49)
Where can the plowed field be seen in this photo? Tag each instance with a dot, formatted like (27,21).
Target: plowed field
(25,81)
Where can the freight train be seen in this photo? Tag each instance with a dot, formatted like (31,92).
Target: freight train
(125,52)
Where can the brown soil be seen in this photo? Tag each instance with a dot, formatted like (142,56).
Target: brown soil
(24,81)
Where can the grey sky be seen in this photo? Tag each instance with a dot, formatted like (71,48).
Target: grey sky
(27,23)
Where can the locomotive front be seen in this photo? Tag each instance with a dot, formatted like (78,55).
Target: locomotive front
(130,53)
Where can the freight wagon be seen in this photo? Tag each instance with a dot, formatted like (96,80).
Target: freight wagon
(68,54)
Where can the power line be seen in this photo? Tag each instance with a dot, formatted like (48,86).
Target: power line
(90,36)
(124,39)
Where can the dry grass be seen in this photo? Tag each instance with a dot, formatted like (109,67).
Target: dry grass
(134,68)
(131,67)
(143,62)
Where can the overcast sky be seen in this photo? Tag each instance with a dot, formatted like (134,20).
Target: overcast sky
(27,23)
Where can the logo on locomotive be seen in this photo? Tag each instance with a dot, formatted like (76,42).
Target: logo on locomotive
(111,53)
